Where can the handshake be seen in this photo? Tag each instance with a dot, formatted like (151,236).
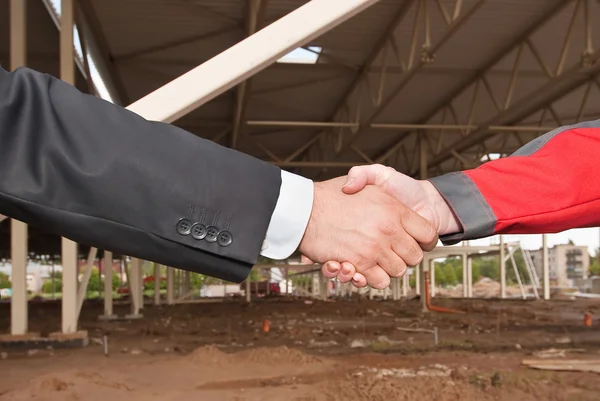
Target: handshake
(372,224)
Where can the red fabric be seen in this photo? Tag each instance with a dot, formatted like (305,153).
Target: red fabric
(555,189)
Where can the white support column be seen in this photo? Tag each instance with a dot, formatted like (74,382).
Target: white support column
(140,283)
(405,285)
(82,289)
(502,268)
(469,276)
(417,271)
(133,278)
(545,267)
(69,248)
(170,285)
(18,229)
(432,277)
(258,51)
(108,290)
(424,268)
(465,275)
(186,282)
(157,282)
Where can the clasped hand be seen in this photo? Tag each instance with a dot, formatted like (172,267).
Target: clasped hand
(371,225)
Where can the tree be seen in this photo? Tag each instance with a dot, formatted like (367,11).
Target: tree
(5,281)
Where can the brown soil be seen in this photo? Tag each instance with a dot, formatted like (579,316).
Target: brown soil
(346,350)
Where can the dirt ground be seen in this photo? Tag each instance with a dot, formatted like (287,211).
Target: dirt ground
(343,350)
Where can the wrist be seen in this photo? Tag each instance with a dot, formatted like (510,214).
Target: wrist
(446,221)
(311,226)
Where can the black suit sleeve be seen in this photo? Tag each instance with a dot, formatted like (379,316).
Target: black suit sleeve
(100,175)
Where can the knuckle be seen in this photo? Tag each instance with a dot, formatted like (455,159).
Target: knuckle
(381,284)
(388,228)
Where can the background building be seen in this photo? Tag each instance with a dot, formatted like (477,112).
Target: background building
(567,263)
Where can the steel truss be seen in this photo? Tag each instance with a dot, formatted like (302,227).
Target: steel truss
(345,127)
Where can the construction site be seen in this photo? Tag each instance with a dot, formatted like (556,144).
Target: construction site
(316,87)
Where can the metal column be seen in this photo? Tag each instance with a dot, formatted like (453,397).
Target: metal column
(18,229)
(69,248)
(502,268)
(545,267)
(258,51)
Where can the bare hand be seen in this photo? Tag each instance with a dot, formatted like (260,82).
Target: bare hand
(370,230)
(420,196)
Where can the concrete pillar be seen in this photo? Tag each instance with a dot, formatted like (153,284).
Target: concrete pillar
(432,277)
(108,290)
(502,268)
(418,269)
(69,248)
(18,229)
(324,286)
(140,282)
(157,282)
(170,286)
(424,268)
(405,285)
(469,276)
(185,283)
(465,275)
(545,267)
(133,278)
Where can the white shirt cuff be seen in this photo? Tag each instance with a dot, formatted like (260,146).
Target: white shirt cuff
(290,217)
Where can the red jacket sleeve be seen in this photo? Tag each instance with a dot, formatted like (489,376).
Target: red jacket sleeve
(550,185)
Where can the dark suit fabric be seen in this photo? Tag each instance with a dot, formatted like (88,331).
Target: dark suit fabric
(100,175)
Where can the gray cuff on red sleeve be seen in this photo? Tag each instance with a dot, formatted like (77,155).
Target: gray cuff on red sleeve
(468,205)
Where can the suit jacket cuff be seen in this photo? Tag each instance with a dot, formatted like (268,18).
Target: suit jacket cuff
(290,217)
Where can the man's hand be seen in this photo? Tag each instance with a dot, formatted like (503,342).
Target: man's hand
(370,230)
(420,196)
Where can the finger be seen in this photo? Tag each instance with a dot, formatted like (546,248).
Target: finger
(408,250)
(359,281)
(419,228)
(306,260)
(361,176)
(331,269)
(376,277)
(347,272)
(392,262)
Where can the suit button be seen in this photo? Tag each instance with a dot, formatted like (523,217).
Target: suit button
(211,234)
(198,231)
(184,227)
(225,238)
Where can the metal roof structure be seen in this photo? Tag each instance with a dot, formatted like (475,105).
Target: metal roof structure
(461,78)
(426,86)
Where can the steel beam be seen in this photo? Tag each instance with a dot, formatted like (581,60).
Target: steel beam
(554,89)
(258,51)
(98,48)
(487,67)
(397,126)
(411,72)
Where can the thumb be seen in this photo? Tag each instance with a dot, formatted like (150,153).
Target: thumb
(361,176)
